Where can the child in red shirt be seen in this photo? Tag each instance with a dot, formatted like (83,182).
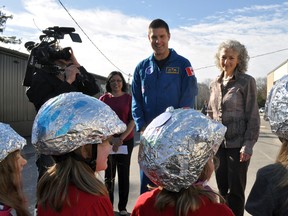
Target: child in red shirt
(176,153)
(75,129)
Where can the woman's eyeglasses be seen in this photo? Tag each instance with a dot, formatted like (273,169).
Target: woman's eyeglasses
(113,81)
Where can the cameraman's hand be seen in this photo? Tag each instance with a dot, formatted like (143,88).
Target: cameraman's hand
(71,73)
(63,63)
(73,58)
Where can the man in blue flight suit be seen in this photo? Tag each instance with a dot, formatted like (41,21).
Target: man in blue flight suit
(164,79)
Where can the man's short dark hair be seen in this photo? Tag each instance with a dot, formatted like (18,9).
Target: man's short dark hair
(159,23)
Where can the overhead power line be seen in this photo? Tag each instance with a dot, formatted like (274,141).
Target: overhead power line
(281,50)
(93,42)
(129,75)
(256,56)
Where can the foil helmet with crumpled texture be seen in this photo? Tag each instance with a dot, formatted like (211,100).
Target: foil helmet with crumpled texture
(10,141)
(276,108)
(176,145)
(71,120)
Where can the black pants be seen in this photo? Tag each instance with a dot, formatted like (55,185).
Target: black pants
(122,163)
(231,178)
(43,162)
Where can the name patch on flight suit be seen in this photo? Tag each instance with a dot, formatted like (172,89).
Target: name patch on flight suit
(172,70)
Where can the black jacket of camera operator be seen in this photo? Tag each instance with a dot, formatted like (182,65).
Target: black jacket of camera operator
(46,85)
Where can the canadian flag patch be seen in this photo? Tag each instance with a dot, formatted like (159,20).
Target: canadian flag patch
(189,71)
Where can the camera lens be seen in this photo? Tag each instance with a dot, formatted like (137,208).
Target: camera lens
(61,54)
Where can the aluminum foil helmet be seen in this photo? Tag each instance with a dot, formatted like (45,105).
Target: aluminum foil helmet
(10,141)
(176,145)
(276,108)
(70,120)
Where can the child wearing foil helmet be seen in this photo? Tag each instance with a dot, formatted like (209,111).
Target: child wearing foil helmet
(75,129)
(176,153)
(269,194)
(11,165)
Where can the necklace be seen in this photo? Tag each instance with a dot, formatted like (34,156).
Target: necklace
(227,78)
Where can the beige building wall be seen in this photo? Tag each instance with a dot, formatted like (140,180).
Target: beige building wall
(276,74)
(270,81)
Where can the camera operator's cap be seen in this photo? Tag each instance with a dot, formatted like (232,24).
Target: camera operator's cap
(71,120)
(176,145)
(276,108)
(10,141)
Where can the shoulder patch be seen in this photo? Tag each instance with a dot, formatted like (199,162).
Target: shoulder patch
(189,71)
(149,70)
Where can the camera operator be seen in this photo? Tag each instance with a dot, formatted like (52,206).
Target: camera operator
(50,81)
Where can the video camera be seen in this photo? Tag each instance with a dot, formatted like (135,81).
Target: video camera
(44,54)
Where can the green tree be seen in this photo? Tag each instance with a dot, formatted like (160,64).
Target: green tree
(203,94)
(3,38)
(261,83)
